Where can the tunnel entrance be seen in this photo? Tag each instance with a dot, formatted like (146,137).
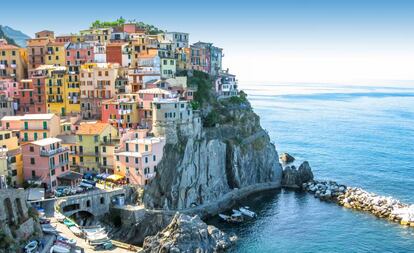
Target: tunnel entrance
(84,218)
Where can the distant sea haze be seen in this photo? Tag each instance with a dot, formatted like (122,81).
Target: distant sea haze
(358,135)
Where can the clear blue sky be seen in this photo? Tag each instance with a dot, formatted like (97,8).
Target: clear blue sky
(279,40)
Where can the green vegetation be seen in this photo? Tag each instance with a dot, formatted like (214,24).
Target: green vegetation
(5,241)
(120,21)
(202,82)
(103,24)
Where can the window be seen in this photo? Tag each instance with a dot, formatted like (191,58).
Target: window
(96,138)
(126,159)
(146,147)
(44,135)
(146,159)
(136,160)
(104,149)
(26,125)
(102,200)
(7,136)
(117,157)
(25,137)
(44,125)
(80,137)
(32,160)
(35,136)
(154,158)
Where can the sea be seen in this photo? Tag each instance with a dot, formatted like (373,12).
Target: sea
(359,135)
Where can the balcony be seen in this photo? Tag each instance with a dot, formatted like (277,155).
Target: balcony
(58,165)
(53,151)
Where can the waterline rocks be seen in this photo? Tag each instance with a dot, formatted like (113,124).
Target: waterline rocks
(188,234)
(286,158)
(356,198)
(295,178)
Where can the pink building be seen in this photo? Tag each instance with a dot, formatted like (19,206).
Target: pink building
(138,158)
(79,53)
(44,161)
(9,87)
(122,112)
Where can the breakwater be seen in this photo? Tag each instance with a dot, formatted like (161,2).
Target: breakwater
(356,198)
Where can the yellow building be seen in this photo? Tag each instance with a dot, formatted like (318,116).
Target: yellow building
(11,160)
(55,54)
(102,35)
(96,146)
(13,61)
(61,95)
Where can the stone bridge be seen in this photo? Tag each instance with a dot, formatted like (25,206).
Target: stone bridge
(96,202)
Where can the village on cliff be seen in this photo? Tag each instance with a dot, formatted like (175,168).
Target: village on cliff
(90,112)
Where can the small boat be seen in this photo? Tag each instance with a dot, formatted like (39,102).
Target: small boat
(247,212)
(48,229)
(76,231)
(31,247)
(237,212)
(59,217)
(69,223)
(234,218)
(60,248)
(93,230)
(62,239)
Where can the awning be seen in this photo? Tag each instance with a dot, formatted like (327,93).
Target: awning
(115,177)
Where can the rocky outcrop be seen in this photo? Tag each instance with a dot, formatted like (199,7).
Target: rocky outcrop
(295,178)
(286,158)
(18,222)
(203,164)
(188,234)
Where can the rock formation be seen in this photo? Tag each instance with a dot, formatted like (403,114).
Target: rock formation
(188,234)
(222,150)
(17,221)
(294,178)
(286,158)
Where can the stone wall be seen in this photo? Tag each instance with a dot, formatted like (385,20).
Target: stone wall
(15,221)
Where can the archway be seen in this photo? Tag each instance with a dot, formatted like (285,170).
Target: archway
(83,218)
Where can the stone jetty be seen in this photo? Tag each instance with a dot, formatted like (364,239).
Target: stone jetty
(356,198)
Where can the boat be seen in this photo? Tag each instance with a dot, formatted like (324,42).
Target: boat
(48,229)
(237,212)
(234,218)
(60,248)
(76,231)
(62,239)
(93,230)
(247,212)
(31,247)
(59,217)
(68,222)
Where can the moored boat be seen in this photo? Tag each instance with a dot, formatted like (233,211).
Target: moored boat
(245,211)
(31,246)
(60,248)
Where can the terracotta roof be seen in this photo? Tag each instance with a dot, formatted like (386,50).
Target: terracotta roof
(92,129)
(37,42)
(7,47)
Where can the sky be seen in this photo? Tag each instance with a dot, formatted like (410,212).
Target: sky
(263,41)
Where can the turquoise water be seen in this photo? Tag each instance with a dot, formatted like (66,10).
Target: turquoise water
(357,135)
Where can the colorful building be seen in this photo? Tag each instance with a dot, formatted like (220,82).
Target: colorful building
(206,57)
(32,127)
(138,159)
(55,54)
(44,161)
(11,163)
(36,51)
(9,87)
(122,111)
(97,84)
(118,52)
(96,146)
(55,89)
(25,98)
(168,67)
(13,61)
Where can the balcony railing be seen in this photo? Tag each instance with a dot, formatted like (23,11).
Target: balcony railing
(53,151)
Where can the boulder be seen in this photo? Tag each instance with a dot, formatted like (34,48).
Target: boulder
(188,234)
(295,178)
(286,158)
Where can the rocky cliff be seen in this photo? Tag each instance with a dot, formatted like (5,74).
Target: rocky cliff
(188,234)
(223,149)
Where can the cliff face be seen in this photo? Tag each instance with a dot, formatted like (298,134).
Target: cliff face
(214,154)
